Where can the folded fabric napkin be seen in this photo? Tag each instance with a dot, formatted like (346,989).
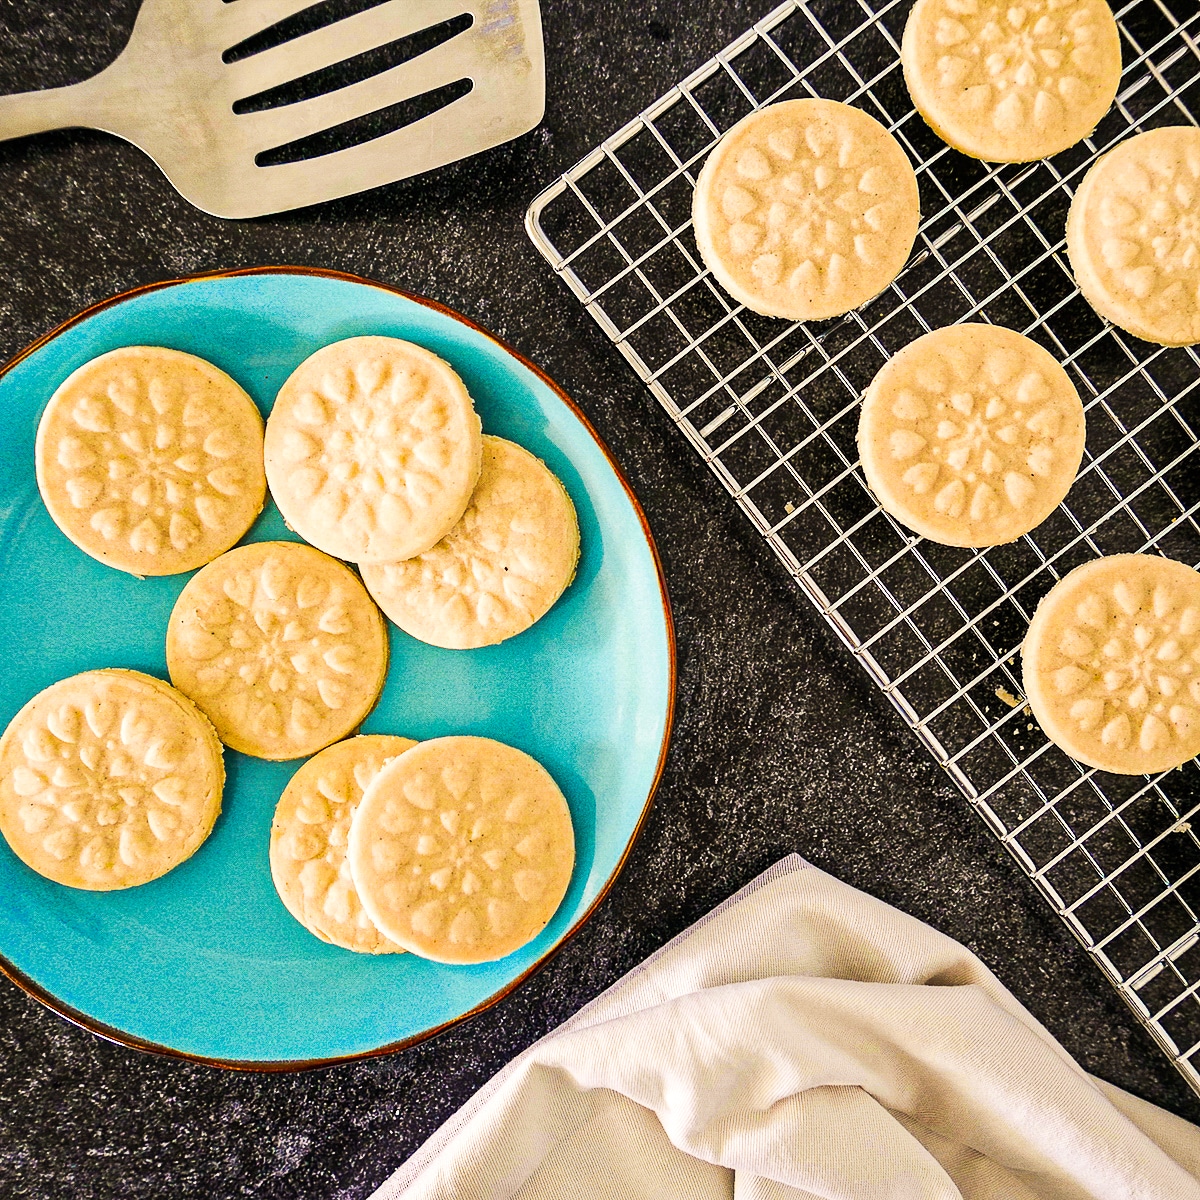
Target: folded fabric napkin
(804,1040)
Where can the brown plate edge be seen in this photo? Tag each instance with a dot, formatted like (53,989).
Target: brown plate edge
(112,1034)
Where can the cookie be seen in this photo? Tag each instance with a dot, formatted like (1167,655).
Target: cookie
(462,849)
(308,841)
(500,569)
(373,449)
(1011,82)
(280,646)
(1133,236)
(806,209)
(971,436)
(151,460)
(108,779)
(1111,664)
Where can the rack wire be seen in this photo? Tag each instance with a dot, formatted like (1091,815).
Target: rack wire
(772,408)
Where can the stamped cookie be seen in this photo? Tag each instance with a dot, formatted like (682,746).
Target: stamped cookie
(806,209)
(108,779)
(373,449)
(1111,664)
(1011,82)
(971,435)
(150,460)
(462,849)
(280,646)
(308,841)
(1133,235)
(500,569)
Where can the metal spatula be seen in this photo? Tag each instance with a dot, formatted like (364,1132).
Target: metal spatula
(171,93)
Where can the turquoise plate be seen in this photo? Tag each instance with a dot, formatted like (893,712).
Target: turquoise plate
(206,963)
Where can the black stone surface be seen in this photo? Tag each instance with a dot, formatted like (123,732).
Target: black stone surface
(781,743)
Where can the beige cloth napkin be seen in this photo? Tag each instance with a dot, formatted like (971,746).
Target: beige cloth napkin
(804,1040)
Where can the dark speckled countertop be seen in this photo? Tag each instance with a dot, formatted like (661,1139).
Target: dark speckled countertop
(781,743)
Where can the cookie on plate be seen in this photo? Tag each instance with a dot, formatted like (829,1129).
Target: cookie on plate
(500,569)
(280,646)
(1011,82)
(806,209)
(1133,235)
(308,841)
(1111,663)
(971,436)
(462,849)
(151,460)
(373,449)
(108,780)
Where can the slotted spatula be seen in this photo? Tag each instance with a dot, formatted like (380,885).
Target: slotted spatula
(170,93)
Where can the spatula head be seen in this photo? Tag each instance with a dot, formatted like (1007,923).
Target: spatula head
(234,149)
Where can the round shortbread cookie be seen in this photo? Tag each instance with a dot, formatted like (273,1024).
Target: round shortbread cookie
(1111,664)
(373,449)
(151,460)
(108,779)
(806,209)
(280,646)
(500,569)
(1133,235)
(462,849)
(971,435)
(308,841)
(1011,82)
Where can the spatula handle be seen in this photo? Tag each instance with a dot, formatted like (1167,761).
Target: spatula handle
(23,113)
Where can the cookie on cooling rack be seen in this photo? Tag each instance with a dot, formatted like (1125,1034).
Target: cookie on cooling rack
(1011,82)
(971,436)
(280,646)
(499,570)
(1111,663)
(1133,235)
(806,209)
(151,460)
(462,849)
(373,449)
(108,780)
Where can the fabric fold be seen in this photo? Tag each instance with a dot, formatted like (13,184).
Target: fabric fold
(804,1040)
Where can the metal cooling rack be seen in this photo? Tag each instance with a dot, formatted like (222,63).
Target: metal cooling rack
(773,409)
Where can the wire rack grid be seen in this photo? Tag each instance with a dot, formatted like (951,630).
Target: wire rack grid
(772,408)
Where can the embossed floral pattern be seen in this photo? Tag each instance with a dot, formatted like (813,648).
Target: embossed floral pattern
(462,849)
(108,780)
(372,449)
(498,570)
(1135,235)
(280,645)
(309,836)
(1012,81)
(150,460)
(971,435)
(806,209)
(1116,649)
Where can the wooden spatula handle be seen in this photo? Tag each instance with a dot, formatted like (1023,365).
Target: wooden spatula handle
(23,113)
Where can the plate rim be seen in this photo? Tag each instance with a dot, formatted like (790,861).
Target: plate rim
(119,1036)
